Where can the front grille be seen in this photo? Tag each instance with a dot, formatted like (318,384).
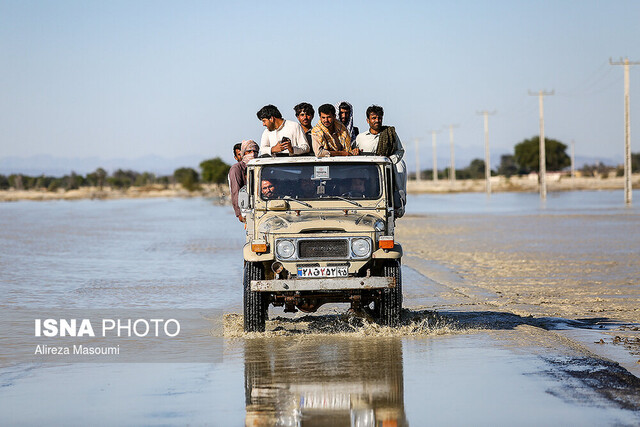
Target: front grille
(324,248)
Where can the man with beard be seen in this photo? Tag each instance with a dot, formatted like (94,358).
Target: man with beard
(383,141)
(268,189)
(238,174)
(280,136)
(304,114)
(329,136)
(345,114)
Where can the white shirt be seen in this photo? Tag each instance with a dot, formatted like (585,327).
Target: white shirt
(368,143)
(291,130)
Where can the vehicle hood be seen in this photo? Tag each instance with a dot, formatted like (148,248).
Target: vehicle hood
(317,222)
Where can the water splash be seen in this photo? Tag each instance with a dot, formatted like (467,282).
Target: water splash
(414,323)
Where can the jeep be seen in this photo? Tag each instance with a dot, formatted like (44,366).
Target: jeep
(320,230)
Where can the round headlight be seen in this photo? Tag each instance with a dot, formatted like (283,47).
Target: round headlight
(360,247)
(379,225)
(285,249)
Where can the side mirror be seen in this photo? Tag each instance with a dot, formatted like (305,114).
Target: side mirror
(243,198)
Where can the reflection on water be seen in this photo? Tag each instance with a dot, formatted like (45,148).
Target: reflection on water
(357,382)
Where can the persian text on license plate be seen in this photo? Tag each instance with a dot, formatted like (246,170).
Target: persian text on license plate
(336,271)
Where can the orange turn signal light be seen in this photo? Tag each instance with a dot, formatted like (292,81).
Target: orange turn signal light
(386,242)
(259,246)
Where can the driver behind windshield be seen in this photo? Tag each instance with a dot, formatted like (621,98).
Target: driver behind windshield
(268,189)
(354,187)
(308,189)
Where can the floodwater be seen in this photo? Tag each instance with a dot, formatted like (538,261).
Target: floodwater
(448,366)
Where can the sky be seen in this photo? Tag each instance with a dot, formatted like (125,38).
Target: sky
(127,79)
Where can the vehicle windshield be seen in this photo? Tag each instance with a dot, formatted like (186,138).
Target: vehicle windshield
(355,181)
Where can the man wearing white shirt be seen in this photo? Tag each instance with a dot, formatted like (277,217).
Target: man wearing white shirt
(280,135)
(383,141)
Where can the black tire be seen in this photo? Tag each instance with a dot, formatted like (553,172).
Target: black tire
(391,299)
(255,306)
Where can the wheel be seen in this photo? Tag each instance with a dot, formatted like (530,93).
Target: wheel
(391,299)
(255,306)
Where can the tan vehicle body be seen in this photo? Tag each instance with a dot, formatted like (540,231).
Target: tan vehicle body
(332,237)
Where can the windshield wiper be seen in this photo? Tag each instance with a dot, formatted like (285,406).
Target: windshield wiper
(346,200)
(289,198)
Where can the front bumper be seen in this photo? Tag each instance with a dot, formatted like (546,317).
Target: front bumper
(323,284)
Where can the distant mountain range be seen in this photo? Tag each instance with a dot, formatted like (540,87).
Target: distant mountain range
(59,166)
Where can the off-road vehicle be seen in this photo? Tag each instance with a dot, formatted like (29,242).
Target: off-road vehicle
(320,230)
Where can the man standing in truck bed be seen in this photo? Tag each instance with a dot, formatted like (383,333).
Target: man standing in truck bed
(329,136)
(280,135)
(383,141)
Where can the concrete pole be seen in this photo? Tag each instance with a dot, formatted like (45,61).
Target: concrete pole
(543,157)
(418,178)
(628,191)
(573,162)
(452,167)
(627,130)
(487,160)
(543,161)
(435,155)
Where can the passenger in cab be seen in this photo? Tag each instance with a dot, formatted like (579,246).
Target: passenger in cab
(280,136)
(304,113)
(383,141)
(329,136)
(268,189)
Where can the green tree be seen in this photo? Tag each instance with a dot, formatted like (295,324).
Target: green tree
(145,178)
(122,179)
(72,181)
(4,182)
(527,154)
(214,171)
(97,178)
(187,177)
(54,185)
(15,181)
(635,162)
(508,166)
(476,169)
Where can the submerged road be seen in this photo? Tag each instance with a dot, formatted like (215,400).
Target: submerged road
(511,317)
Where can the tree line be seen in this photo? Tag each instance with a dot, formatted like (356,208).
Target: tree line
(212,171)
(524,160)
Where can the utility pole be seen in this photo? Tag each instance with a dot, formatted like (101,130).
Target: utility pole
(435,154)
(417,161)
(573,162)
(627,129)
(543,161)
(487,161)
(452,168)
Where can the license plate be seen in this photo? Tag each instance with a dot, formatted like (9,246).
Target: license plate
(311,272)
